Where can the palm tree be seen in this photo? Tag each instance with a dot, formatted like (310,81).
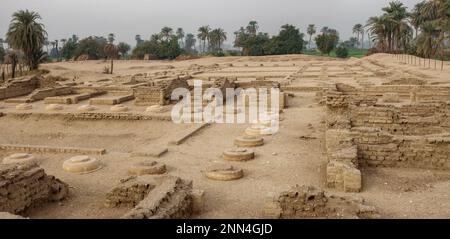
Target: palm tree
(63,41)
(180,36)
(437,13)
(166,33)
(358,29)
(203,34)
(391,30)
(138,39)
(324,29)
(311,30)
(111,52)
(221,36)
(123,48)
(111,38)
(74,38)
(398,14)
(216,38)
(27,35)
(190,43)
(416,17)
(252,28)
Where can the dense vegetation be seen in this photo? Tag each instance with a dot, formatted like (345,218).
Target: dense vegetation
(423,31)
(254,43)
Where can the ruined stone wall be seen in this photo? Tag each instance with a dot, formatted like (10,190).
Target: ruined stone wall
(407,119)
(405,133)
(26,186)
(18,87)
(342,152)
(311,202)
(158,93)
(381,149)
(153,197)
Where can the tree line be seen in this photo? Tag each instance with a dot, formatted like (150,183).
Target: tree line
(423,31)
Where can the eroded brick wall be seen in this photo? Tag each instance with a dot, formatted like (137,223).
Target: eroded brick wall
(27,186)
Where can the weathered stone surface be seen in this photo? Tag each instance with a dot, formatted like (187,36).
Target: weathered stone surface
(26,186)
(311,202)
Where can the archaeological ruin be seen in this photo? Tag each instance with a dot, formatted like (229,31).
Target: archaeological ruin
(356,138)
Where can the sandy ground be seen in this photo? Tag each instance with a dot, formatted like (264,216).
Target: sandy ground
(295,155)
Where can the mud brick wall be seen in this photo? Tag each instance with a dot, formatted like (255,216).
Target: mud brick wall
(311,202)
(342,171)
(26,186)
(94,116)
(158,92)
(381,149)
(146,96)
(410,119)
(128,194)
(49,149)
(50,92)
(167,198)
(18,87)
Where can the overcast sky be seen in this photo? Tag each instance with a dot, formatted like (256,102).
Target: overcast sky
(126,18)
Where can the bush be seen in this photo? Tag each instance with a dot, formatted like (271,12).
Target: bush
(219,54)
(167,49)
(91,46)
(342,52)
(327,41)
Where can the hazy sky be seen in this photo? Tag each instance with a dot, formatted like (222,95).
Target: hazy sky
(126,18)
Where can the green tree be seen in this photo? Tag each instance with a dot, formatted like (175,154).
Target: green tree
(203,35)
(358,29)
(138,39)
(69,49)
(27,35)
(311,31)
(158,47)
(166,33)
(216,38)
(189,44)
(252,27)
(180,36)
(91,46)
(342,51)
(288,41)
(327,40)
(123,49)
(111,38)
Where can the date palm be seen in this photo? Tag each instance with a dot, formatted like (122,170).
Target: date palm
(217,37)
(311,30)
(252,28)
(357,30)
(166,33)
(111,38)
(180,36)
(203,34)
(189,45)
(26,34)
(138,39)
